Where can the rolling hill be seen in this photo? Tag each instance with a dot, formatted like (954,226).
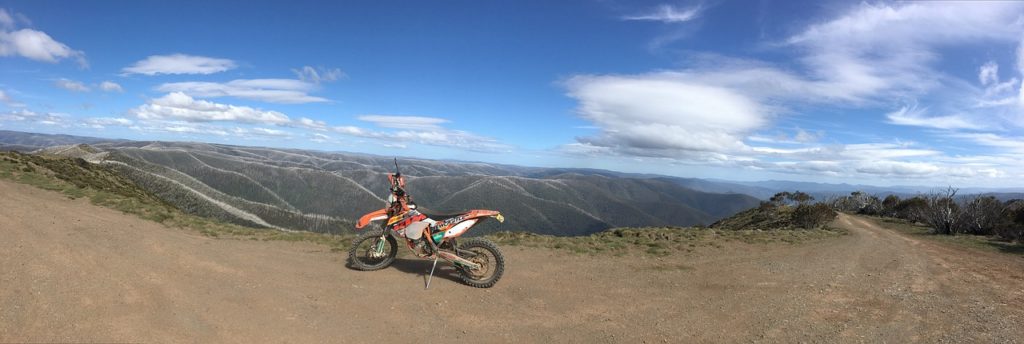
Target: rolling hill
(325,191)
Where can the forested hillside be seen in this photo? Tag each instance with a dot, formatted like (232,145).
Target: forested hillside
(325,192)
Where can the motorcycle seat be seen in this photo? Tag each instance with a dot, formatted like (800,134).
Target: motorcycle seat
(442,216)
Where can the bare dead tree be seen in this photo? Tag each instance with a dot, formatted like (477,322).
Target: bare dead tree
(942,212)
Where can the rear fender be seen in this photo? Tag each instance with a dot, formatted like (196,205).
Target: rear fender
(370,217)
(466,221)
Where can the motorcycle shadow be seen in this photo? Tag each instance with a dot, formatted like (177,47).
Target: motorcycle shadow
(421,268)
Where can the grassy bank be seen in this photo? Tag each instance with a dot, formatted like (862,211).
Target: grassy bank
(661,241)
(78,179)
(977,242)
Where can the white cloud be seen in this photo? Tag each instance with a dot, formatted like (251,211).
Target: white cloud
(404,122)
(868,151)
(988,73)
(804,136)
(913,116)
(1001,102)
(111,86)
(1012,144)
(263,132)
(179,106)
(800,137)
(357,131)
(715,111)
(1020,70)
(189,129)
(889,47)
(103,122)
(39,46)
(8,100)
(33,44)
(310,124)
(17,115)
(71,85)
(321,138)
(663,114)
(667,14)
(180,127)
(896,168)
(422,130)
(6,20)
(179,64)
(319,74)
(47,118)
(287,91)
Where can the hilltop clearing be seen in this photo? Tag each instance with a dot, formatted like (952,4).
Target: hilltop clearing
(73,271)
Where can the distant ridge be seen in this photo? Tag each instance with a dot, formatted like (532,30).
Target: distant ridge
(325,191)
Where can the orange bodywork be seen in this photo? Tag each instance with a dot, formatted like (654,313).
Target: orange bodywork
(480,213)
(469,215)
(374,216)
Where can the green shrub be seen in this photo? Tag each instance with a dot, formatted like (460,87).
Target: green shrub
(812,216)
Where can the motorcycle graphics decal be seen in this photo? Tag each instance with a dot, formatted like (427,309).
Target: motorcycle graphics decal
(451,221)
(472,214)
(460,228)
(401,221)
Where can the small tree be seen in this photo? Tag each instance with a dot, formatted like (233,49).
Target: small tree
(843,203)
(889,205)
(780,198)
(942,212)
(1011,223)
(801,197)
(812,216)
(870,205)
(912,209)
(981,214)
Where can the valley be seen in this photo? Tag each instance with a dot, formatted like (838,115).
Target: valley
(325,192)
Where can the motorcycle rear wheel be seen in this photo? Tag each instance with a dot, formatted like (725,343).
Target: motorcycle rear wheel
(485,253)
(362,256)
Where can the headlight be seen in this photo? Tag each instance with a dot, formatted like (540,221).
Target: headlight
(391,198)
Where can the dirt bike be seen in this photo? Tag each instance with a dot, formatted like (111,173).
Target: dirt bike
(478,260)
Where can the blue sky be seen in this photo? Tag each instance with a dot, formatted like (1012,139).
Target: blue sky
(883,93)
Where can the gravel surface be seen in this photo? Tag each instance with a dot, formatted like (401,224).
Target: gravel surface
(74,272)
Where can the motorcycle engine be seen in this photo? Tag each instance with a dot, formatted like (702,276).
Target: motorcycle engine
(421,248)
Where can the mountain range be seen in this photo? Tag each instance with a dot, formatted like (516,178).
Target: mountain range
(326,191)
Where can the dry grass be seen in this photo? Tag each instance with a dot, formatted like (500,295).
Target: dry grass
(78,179)
(978,242)
(660,241)
(103,187)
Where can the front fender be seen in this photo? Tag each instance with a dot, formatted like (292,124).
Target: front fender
(370,217)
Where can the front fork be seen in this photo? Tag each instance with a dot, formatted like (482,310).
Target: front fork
(378,249)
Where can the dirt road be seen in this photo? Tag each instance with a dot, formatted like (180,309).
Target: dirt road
(73,272)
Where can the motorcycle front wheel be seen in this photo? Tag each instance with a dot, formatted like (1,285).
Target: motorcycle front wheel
(485,253)
(372,250)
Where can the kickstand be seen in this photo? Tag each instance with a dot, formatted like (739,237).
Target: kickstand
(431,273)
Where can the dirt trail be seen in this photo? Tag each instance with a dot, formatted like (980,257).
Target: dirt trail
(73,272)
